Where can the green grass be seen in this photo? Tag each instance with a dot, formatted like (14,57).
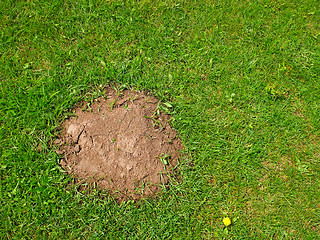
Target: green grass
(243,80)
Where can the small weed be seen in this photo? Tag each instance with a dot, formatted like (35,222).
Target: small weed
(275,91)
(113,103)
(165,158)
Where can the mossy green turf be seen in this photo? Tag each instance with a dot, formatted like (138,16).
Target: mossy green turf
(243,80)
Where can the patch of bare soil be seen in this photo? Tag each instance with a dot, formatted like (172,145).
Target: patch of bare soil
(121,143)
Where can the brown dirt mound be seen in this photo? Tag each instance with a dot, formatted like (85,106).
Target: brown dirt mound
(122,143)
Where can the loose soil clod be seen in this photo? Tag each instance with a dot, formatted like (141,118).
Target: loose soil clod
(121,143)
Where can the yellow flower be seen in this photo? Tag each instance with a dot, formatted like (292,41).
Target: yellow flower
(226,221)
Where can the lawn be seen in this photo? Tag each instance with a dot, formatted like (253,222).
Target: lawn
(243,78)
